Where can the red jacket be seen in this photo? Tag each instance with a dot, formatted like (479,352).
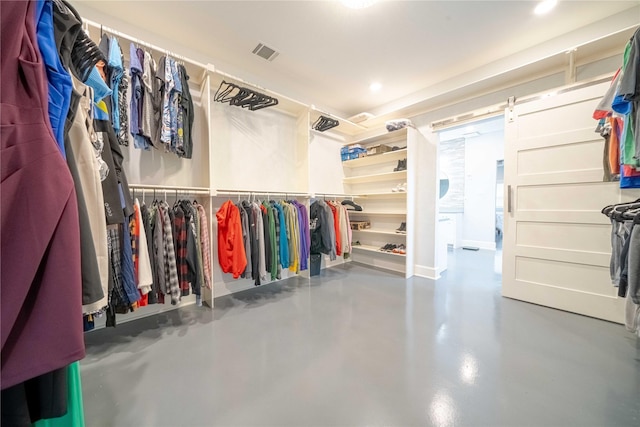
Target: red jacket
(231,254)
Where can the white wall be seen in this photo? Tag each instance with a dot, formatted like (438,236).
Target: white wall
(325,174)
(423,159)
(325,165)
(478,220)
(255,150)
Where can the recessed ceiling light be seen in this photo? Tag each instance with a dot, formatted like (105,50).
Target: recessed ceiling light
(545,6)
(375,86)
(358,4)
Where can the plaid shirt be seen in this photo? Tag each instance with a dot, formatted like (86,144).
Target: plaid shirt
(117,297)
(205,245)
(180,238)
(171,269)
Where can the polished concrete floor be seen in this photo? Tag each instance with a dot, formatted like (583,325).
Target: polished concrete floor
(361,347)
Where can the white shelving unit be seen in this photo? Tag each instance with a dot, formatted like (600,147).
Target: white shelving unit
(371,180)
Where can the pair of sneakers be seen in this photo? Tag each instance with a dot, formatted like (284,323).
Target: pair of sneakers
(402,166)
(400,249)
(396,249)
(400,188)
(389,247)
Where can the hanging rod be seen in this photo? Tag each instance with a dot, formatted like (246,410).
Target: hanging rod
(331,195)
(167,188)
(258,193)
(149,45)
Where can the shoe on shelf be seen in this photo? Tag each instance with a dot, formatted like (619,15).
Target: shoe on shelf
(354,205)
(356,243)
(386,248)
(400,188)
(402,166)
(401,249)
(402,229)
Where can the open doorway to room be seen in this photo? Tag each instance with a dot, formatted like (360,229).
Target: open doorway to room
(471,215)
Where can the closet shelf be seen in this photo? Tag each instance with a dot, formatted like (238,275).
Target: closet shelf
(365,213)
(386,138)
(390,195)
(375,249)
(387,176)
(385,232)
(345,127)
(375,159)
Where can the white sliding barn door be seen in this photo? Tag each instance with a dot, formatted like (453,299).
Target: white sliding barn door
(557,243)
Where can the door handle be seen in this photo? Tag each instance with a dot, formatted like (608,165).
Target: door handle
(508,199)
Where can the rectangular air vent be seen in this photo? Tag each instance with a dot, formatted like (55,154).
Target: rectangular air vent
(265,52)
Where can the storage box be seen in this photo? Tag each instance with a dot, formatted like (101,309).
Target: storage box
(355,152)
(344,153)
(378,149)
(360,225)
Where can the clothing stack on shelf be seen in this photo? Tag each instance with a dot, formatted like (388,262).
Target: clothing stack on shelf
(330,229)
(625,258)
(619,120)
(160,112)
(256,240)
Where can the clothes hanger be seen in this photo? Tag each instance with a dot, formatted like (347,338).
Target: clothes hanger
(270,102)
(224,91)
(607,210)
(242,95)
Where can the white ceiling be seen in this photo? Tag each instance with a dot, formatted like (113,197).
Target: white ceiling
(329,54)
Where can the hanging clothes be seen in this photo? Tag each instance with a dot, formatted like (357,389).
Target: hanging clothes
(83,156)
(246,239)
(40,275)
(322,229)
(188,115)
(205,245)
(259,235)
(625,258)
(149,116)
(231,254)
(58,78)
(144,275)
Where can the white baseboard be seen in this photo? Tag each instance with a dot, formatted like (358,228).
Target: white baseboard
(426,272)
(491,246)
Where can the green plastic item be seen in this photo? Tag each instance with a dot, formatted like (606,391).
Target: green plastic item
(75,409)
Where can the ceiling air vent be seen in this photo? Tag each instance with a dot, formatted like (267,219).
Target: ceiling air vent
(265,52)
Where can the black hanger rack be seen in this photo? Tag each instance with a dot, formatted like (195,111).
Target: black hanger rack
(243,97)
(325,123)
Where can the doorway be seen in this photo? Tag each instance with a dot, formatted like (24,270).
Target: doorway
(471,213)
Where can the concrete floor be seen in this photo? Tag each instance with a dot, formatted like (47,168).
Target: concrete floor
(361,347)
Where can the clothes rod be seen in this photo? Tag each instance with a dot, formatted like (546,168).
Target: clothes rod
(334,195)
(141,42)
(167,188)
(258,193)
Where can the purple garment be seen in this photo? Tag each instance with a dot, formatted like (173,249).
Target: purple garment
(305,235)
(40,278)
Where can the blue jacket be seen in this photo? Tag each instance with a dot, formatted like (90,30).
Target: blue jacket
(284,241)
